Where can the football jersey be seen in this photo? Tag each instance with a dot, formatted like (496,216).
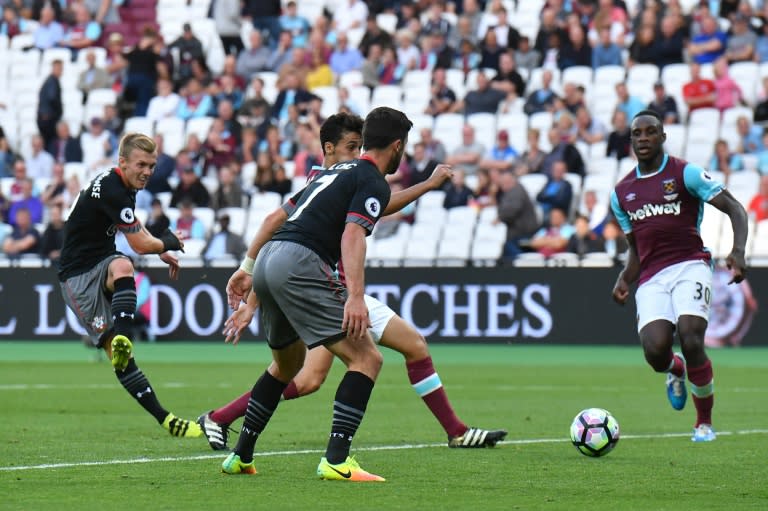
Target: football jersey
(664,210)
(352,191)
(102,208)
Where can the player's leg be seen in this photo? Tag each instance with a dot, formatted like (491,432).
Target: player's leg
(363,361)
(317,365)
(395,333)
(692,299)
(656,327)
(264,399)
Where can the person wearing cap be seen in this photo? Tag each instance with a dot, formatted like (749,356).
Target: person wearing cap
(742,41)
(664,104)
(189,48)
(501,156)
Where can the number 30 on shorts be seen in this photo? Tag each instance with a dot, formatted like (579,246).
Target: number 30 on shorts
(703,292)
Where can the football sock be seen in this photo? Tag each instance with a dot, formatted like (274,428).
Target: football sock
(348,410)
(265,397)
(291,391)
(703,391)
(228,413)
(676,365)
(427,384)
(124,305)
(137,385)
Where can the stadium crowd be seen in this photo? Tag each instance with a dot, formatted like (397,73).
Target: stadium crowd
(530,101)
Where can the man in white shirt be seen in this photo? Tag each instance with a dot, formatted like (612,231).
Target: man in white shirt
(353,15)
(165,103)
(40,162)
(97,147)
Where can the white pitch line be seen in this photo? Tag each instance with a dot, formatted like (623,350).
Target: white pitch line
(134,461)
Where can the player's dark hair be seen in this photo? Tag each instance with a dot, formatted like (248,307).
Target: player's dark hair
(384,125)
(651,113)
(335,126)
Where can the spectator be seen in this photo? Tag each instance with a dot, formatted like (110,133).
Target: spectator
(63,147)
(606,52)
(218,148)
(142,72)
(16,190)
(53,236)
(557,193)
(375,35)
(189,49)
(421,165)
(630,105)
(83,33)
(24,239)
(548,28)
(157,222)
(457,193)
(49,33)
(758,206)
(92,77)
(709,44)
(40,161)
(589,129)
(255,59)
(297,25)
(740,46)
(190,188)
(619,139)
(435,21)
(194,101)
(553,238)
(614,240)
(508,80)
(116,64)
(292,92)
(224,243)
(643,47)
(443,97)
(12,24)
(575,50)
(229,194)
(7,156)
(532,159)
(750,136)
(344,58)
(727,91)
(467,57)
(200,70)
(226,16)
(483,99)
(584,241)
(469,153)
(490,51)
(463,31)
(351,15)
(165,104)
(164,169)
(502,156)
(724,160)
(112,122)
(53,195)
(433,148)
(527,58)
(49,105)
(699,92)
(595,211)
(564,150)
(72,192)
(265,16)
(188,225)
(664,104)
(408,54)
(33,206)
(372,67)
(487,189)
(97,146)
(542,99)
(230,72)
(320,75)
(516,211)
(270,176)
(670,43)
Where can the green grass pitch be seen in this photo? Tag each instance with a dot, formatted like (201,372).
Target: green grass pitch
(72,439)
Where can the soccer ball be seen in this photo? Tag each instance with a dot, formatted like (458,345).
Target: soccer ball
(594,432)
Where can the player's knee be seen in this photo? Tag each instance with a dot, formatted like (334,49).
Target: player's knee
(657,358)
(309,383)
(417,348)
(374,360)
(121,267)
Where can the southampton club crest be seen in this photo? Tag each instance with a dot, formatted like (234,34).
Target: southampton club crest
(99,324)
(669,187)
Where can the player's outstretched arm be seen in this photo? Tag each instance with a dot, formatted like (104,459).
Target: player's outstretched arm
(399,200)
(728,204)
(629,274)
(239,284)
(356,321)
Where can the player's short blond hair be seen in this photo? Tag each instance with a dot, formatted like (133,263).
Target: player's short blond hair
(131,141)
